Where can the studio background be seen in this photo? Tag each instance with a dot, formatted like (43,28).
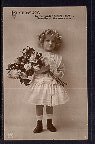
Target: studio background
(70,119)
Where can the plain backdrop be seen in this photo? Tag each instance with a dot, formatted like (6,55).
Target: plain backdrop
(70,119)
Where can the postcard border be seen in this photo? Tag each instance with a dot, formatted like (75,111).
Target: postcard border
(90,63)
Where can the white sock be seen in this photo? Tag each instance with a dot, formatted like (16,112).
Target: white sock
(39,117)
(49,116)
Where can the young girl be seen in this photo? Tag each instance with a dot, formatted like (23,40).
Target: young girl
(44,89)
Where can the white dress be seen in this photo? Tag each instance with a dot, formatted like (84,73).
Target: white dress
(44,90)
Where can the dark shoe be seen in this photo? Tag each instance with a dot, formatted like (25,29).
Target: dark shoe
(39,127)
(50,126)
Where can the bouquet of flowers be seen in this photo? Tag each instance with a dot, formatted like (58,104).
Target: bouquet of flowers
(26,65)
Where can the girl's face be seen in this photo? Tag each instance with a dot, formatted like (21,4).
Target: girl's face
(49,43)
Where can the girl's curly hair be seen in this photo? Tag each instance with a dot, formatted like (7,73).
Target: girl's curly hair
(57,37)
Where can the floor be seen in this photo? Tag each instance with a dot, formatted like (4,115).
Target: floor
(70,131)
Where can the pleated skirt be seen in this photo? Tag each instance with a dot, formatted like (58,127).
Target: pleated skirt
(44,90)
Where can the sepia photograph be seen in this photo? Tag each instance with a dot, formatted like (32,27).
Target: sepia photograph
(45,73)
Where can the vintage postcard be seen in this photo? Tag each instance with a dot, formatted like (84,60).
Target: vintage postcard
(45,73)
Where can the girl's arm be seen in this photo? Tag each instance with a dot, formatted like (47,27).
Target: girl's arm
(60,70)
(43,69)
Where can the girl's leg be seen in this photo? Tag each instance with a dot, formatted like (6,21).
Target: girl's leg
(49,111)
(39,113)
(39,110)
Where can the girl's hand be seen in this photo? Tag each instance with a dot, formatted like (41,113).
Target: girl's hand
(59,74)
